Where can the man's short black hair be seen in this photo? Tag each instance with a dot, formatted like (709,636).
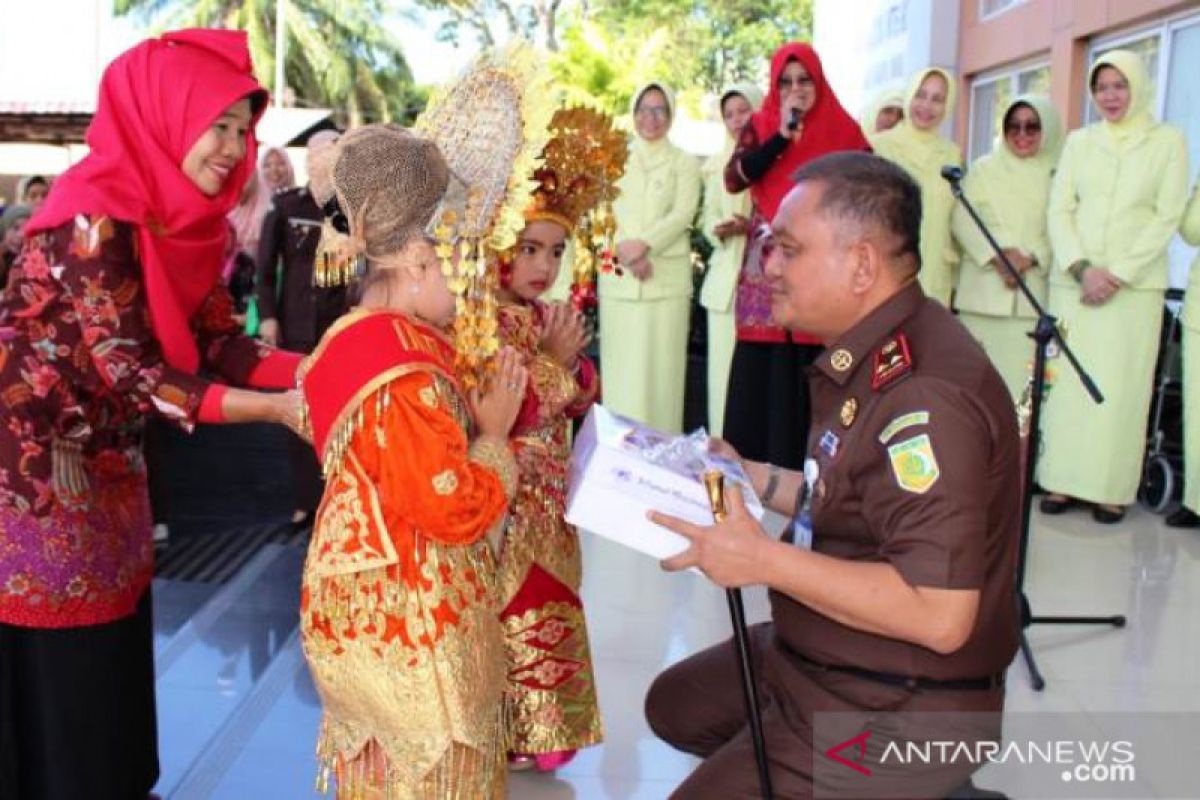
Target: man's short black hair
(871,192)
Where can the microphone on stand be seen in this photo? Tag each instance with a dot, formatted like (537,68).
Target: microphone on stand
(794,122)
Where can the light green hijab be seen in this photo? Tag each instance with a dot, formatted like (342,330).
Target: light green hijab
(1017,190)
(754,96)
(888,97)
(646,155)
(1046,158)
(1138,118)
(911,93)
(925,150)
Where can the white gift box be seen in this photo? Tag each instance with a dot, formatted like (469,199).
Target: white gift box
(621,469)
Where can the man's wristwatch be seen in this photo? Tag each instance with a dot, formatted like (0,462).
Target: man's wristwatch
(1077,269)
(773,473)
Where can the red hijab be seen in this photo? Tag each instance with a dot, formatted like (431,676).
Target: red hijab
(156,100)
(827,127)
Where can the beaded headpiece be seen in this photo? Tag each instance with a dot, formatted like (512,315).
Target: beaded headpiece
(490,125)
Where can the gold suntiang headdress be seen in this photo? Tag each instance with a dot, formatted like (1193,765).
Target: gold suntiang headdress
(491,125)
(576,186)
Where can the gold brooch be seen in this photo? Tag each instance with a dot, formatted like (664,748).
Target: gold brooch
(849,411)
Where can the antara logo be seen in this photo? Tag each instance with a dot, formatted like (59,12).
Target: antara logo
(861,742)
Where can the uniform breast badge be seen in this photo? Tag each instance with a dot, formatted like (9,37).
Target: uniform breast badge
(849,412)
(829,444)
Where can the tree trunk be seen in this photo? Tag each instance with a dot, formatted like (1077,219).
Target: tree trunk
(550,23)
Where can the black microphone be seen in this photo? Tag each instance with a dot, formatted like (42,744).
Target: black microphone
(794,122)
(952,173)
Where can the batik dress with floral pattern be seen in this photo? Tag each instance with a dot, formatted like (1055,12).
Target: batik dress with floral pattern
(80,369)
(551,695)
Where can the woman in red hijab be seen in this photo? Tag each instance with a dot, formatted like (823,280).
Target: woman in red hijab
(766,413)
(113,307)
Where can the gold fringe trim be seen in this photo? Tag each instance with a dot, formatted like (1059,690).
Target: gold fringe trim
(464,773)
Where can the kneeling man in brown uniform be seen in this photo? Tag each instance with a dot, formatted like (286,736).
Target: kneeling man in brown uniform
(893,590)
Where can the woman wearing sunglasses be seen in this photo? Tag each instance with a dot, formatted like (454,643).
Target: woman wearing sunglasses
(1010,188)
(801,119)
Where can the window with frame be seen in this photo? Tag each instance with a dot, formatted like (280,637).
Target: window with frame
(991,95)
(990,8)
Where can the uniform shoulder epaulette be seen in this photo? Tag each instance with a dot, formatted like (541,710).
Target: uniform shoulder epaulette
(892,362)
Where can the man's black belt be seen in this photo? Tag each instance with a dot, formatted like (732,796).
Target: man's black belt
(907,681)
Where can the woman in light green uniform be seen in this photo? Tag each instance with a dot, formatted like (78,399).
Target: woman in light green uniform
(644,303)
(1116,201)
(1186,516)
(725,220)
(916,145)
(1010,188)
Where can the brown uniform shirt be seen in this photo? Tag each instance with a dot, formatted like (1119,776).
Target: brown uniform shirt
(915,438)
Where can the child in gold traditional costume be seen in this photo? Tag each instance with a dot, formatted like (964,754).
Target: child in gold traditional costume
(398,605)
(551,695)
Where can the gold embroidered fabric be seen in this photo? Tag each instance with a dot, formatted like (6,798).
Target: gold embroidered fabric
(551,700)
(551,694)
(353,533)
(499,459)
(400,627)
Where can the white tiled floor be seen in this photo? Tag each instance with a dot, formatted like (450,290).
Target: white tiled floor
(641,619)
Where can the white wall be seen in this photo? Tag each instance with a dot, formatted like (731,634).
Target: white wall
(871,45)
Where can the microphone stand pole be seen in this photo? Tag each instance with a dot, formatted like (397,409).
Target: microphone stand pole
(1045,332)
(714,483)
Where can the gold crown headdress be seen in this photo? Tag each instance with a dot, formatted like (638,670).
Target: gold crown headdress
(576,186)
(491,125)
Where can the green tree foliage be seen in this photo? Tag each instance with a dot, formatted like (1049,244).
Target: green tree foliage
(604,49)
(338,54)
(716,42)
(489,21)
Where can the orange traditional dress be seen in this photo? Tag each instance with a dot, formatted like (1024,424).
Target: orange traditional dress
(398,610)
(551,695)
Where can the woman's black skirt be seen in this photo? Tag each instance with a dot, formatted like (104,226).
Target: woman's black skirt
(77,714)
(767,409)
